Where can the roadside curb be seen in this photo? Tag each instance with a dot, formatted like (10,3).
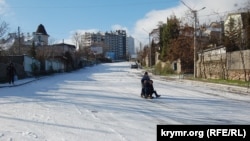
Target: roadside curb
(20,83)
(215,86)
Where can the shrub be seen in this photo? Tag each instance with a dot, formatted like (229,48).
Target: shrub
(167,69)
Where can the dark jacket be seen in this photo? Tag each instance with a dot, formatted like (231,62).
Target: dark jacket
(150,88)
(145,77)
(11,71)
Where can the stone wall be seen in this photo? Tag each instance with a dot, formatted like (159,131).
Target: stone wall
(224,66)
(211,69)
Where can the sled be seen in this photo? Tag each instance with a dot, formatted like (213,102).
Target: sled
(142,96)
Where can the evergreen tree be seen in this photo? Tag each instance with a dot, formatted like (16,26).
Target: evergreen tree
(168,32)
(232,35)
(246,23)
(32,51)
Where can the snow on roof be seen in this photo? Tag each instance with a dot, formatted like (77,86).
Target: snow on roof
(7,44)
(28,38)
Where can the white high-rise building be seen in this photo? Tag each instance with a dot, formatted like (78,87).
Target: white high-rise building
(88,39)
(130,45)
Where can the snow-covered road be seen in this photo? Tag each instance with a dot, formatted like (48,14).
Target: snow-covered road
(102,103)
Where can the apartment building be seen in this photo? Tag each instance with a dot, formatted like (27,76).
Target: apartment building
(89,39)
(116,42)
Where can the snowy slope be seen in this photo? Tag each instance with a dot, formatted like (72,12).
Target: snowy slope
(102,103)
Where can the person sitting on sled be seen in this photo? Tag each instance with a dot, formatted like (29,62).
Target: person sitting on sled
(151,89)
(146,89)
(144,79)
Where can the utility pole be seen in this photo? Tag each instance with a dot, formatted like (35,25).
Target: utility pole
(150,51)
(195,21)
(19,40)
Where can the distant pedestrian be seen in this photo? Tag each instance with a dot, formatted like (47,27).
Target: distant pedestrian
(11,72)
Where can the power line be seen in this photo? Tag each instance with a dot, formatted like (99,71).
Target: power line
(216,13)
(99,5)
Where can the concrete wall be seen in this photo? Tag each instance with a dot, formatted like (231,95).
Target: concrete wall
(234,60)
(54,65)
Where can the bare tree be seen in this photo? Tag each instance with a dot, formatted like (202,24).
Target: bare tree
(52,41)
(4,27)
(77,39)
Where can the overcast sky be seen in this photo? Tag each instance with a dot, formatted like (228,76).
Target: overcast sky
(63,18)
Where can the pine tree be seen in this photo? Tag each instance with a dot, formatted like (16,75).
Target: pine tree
(168,32)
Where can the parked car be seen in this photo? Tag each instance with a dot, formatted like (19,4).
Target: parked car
(134,66)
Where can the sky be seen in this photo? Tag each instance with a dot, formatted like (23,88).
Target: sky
(64,18)
(103,103)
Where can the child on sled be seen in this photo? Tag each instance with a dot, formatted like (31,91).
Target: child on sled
(152,90)
(148,89)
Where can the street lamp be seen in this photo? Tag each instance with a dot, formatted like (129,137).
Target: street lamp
(195,21)
(149,48)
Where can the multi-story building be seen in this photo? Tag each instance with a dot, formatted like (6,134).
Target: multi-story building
(116,43)
(130,46)
(86,39)
(89,39)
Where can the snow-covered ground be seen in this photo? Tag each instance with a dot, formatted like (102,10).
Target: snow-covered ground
(103,103)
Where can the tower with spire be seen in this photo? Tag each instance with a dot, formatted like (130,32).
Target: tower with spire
(40,37)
